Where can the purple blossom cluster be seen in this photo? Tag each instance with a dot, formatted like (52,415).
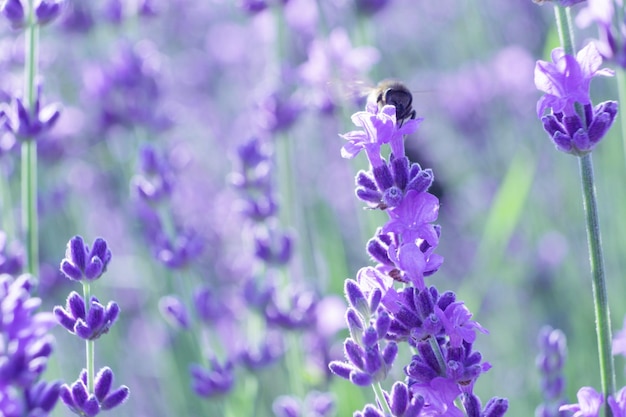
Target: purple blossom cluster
(574,124)
(173,244)
(25,347)
(550,362)
(380,317)
(88,319)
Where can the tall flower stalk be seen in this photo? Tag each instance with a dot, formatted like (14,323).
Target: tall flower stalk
(29,147)
(88,319)
(390,305)
(576,127)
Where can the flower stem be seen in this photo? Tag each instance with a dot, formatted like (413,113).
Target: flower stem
(89,344)
(601,305)
(380,397)
(564,27)
(29,149)
(598,284)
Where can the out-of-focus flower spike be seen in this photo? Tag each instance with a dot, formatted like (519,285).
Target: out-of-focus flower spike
(174,311)
(48,10)
(13,11)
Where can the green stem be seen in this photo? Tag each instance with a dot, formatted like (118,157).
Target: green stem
(378,391)
(598,284)
(29,149)
(434,345)
(89,344)
(601,305)
(564,27)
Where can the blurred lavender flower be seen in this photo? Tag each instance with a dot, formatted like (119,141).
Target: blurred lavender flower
(26,347)
(212,382)
(611,39)
(253,6)
(30,125)
(370,7)
(566,82)
(272,348)
(13,11)
(80,263)
(563,3)
(155,179)
(81,402)
(174,311)
(619,341)
(588,405)
(78,17)
(317,404)
(550,361)
(11,256)
(332,63)
(47,11)
(127,90)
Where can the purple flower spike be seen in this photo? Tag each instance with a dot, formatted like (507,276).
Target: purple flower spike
(13,11)
(81,402)
(88,325)
(588,405)
(28,125)
(48,10)
(174,311)
(566,79)
(216,381)
(42,397)
(81,263)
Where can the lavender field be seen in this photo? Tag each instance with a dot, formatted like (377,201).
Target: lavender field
(213,208)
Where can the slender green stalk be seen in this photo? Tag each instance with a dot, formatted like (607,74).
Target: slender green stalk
(90,350)
(601,304)
(434,345)
(564,27)
(378,391)
(29,149)
(598,283)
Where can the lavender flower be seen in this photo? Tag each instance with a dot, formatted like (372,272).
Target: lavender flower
(588,405)
(80,263)
(440,328)
(47,11)
(27,347)
(83,403)
(611,39)
(13,11)
(316,404)
(566,82)
(550,361)
(212,382)
(28,125)
(155,179)
(370,7)
(174,311)
(619,341)
(86,324)
(11,256)
(563,3)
